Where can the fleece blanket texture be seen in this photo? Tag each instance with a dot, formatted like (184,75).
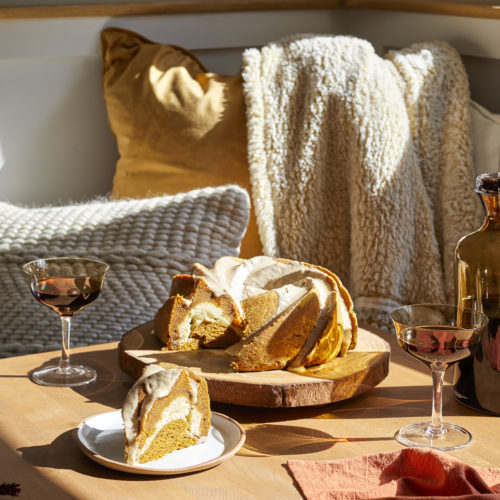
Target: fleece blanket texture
(362,163)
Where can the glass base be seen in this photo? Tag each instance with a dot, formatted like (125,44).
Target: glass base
(72,376)
(453,436)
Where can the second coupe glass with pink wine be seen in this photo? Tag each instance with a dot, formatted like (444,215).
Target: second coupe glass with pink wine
(438,335)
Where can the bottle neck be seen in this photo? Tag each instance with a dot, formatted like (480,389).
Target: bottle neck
(492,207)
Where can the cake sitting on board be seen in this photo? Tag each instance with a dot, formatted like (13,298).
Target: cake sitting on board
(268,313)
(168,408)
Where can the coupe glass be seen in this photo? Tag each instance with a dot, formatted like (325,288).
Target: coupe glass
(65,285)
(439,335)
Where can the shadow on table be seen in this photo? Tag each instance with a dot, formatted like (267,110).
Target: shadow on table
(267,436)
(379,402)
(63,453)
(275,439)
(111,385)
(31,482)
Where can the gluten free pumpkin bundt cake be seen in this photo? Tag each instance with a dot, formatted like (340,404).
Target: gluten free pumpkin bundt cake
(268,313)
(168,408)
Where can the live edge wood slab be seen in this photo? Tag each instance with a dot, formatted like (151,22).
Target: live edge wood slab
(342,378)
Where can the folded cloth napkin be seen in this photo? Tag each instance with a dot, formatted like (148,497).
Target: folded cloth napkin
(407,474)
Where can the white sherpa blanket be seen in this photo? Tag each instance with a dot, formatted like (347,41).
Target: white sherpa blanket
(362,163)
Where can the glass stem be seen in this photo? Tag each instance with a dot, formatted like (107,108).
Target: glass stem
(64,364)
(436,427)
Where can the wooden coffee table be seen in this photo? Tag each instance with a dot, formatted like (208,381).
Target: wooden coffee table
(38,451)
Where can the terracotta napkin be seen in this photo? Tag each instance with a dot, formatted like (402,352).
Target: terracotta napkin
(407,474)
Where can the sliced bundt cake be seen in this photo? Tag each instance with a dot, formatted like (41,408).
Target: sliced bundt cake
(271,312)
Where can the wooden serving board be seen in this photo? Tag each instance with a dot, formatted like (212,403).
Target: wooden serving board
(341,378)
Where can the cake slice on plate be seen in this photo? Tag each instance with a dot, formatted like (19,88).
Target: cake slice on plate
(168,408)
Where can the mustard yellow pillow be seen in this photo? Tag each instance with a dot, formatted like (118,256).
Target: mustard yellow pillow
(178,127)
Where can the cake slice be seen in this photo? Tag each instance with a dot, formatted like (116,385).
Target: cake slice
(259,309)
(194,316)
(346,317)
(325,341)
(277,342)
(168,408)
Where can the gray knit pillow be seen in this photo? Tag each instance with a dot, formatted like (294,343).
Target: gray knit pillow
(144,241)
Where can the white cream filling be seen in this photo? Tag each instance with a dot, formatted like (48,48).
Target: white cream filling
(195,420)
(205,312)
(177,410)
(194,390)
(195,416)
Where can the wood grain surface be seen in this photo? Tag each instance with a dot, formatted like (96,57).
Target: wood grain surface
(37,449)
(342,378)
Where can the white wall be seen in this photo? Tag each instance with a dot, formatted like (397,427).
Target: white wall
(55,144)
(478,40)
(54,138)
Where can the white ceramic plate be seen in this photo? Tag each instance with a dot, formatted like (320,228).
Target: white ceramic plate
(101,438)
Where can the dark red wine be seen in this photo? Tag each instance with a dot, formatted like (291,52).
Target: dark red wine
(66,295)
(438,343)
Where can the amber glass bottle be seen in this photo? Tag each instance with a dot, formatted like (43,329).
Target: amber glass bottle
(477,286)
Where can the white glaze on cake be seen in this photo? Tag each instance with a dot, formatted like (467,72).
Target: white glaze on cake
(291,280)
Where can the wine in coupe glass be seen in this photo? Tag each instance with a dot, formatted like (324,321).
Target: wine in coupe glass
(65,285)
(439,335)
